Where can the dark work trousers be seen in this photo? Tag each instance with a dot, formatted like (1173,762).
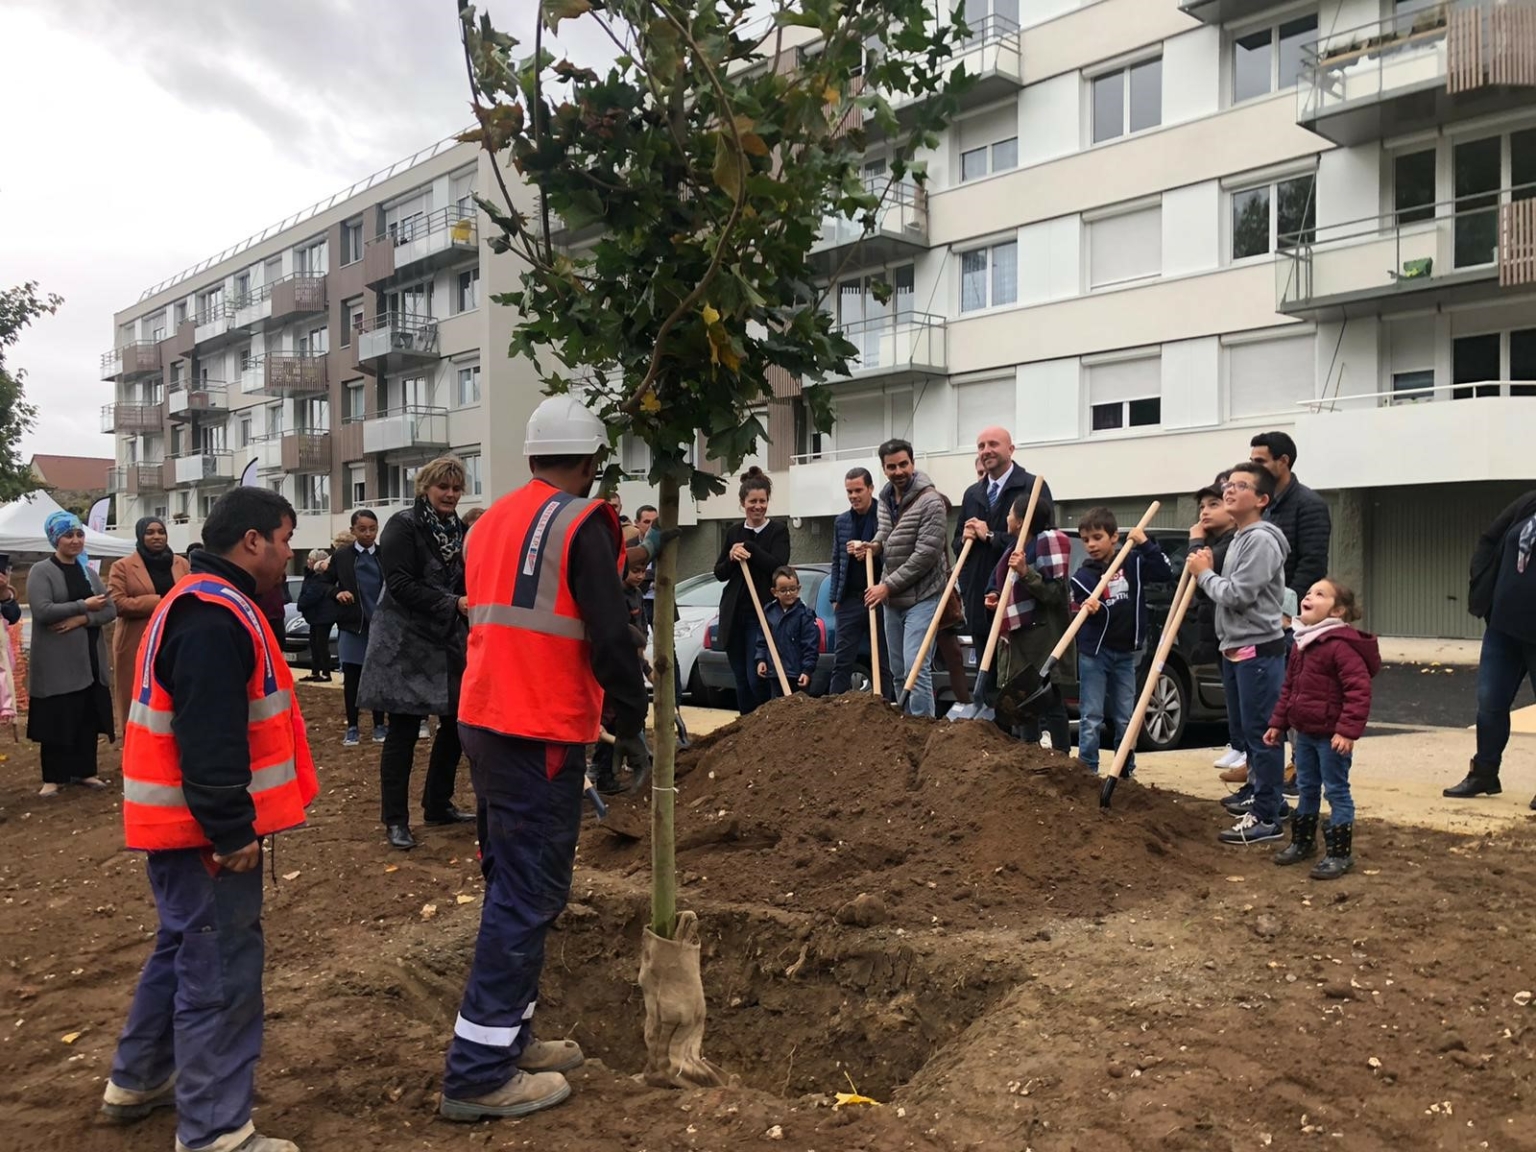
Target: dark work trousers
(350,675)
(751,689)
(1051,718)
(320,650)
(528,797)
(1506,660)
(197,1011)
(851,629)
(395,768)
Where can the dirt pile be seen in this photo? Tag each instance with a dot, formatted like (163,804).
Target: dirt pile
(807,804)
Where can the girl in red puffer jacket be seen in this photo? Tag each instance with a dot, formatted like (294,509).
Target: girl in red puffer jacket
(1327,700)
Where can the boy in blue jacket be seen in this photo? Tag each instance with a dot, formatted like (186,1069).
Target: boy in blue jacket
(1110,644)
(795,635)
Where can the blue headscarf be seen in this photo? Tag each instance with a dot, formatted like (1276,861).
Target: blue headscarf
(58,524)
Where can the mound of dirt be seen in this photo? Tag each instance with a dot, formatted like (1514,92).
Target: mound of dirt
(807,804)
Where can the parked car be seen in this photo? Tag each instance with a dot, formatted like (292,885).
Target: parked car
(698,605)
(295,637)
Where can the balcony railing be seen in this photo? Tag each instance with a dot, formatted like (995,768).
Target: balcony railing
(396,337)
(894,230)
(421,243)
(199,467)
(187,401)
(409,426)
(903,342)
(284,374)
(137,358)
(130,417)
(147,476)
(1471,247)
(1450,48)
(991,55)
(117,481)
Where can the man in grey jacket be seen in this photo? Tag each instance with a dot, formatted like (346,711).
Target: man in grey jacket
(913,538)
(1248,594)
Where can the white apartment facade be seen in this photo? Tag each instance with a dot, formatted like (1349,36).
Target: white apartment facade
(1157,228)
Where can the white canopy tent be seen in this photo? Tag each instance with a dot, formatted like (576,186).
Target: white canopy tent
(21,530)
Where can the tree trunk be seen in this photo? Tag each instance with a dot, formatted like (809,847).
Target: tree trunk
(664,681)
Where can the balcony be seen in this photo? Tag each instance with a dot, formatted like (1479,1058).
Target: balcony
(251,311)
(816,479)
(395,341)
(1223,11)
(147,476)
(129,362)
(906,344)
(284,374)
(215,467)
(131,418)
(1434,255)
(183,340)
(117,481)
(420,245)
(189,401)
(991,54)
(898,230)
(1419,70)
(409,427)
(216,327)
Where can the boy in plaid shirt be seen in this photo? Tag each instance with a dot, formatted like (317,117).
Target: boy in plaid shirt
(1036,616)
(1111,640)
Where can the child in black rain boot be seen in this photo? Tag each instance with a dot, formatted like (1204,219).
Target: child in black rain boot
(1327,700)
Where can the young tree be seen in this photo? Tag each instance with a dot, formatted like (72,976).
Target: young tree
(18,308)
(667,273)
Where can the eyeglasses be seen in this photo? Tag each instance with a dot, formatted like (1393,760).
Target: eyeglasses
(1233,486)
(783,588)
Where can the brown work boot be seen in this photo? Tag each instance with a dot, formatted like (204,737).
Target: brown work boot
(245,1139)
(1235,776)
(551,1056)
(526,1092)
(1290,775)
(124,1105)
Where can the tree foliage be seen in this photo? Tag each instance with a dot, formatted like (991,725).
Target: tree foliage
(18,308)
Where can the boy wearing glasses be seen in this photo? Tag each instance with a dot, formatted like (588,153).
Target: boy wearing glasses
(795,635)
(1248,594)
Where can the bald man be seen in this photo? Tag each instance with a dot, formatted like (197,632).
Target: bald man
(984,515)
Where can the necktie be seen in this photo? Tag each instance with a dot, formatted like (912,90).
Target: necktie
(992,489)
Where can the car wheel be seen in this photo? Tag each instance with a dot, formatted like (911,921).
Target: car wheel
(1167,712)
(698,695)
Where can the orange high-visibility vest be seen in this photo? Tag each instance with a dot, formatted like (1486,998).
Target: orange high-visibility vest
(529,670)
(283,780)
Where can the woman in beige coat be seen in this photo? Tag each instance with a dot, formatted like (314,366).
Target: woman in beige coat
(136,583)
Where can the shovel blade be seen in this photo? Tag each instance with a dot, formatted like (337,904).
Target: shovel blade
(1107,790)
(901,700)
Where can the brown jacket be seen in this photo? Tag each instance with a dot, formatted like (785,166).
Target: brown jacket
(134,596)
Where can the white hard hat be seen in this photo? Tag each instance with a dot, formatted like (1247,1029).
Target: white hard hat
(562,426)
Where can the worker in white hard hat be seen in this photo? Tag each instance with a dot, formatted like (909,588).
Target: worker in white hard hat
(549,639)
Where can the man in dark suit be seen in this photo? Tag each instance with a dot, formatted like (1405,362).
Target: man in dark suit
(984,517)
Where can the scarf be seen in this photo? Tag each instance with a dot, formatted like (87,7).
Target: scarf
(58,524)
(448,533)
(1307,633)
(1049,553)
(157,564)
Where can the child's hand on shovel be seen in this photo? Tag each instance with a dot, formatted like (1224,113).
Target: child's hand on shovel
(1019,563)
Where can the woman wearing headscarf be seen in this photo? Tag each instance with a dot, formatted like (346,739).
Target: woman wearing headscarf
(417,639)
(68,672)
(136,583)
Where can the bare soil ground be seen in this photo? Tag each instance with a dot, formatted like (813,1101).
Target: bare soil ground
(1020,970)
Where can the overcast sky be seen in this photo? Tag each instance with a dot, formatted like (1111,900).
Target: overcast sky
(142,137)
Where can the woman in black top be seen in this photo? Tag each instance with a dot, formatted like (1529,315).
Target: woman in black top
(764,545)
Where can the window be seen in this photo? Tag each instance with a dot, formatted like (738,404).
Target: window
(212,438)
(242,286)
(989,18)
(181,312)
(1125,247)
(1125,394)
(981,404)
(860,421)
(353,311)
(1413,186)
(1475,366)
(310,260)
(983,161)
(1522,362)
(1270,59)
(467,391)
(351,241)
(466,295)
(1128,100)
(312,415)
(245,430)
(1273,217)
(1270,377)
(274,418)
(1412,387)
(357,489)
(315,342)
(473,484)
(988,143)
(206,501)
(634,456)
(314,492)
(399,482)
(356,402)
(989,277)
(1475,171)
(276,484)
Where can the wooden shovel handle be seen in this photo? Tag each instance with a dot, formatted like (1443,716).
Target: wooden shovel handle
(762,622)
(874,627)
(1115,565)
(1181,601)
(933,625)
(1005,596)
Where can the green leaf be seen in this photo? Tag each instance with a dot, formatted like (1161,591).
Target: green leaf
(728,165)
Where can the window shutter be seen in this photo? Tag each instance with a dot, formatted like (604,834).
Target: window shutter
(1122,380)
(1126,247)
(983,403)
(1269,377)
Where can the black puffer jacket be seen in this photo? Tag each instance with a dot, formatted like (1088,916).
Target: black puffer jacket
(1207,648)
(1303,516)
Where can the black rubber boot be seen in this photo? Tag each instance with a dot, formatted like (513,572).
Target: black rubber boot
(1341,843)
(1303,845)
(1479,782)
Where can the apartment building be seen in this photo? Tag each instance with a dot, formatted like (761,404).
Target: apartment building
(1159,227)
(326,357)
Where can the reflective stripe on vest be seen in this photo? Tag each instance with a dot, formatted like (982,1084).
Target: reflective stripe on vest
(139,712)
(170,796)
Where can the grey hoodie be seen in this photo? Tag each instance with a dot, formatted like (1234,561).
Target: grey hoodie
(1250,588)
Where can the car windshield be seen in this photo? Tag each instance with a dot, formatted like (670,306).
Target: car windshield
(699,592)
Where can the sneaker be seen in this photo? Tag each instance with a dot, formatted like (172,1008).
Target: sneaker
(125,1105)
(1235,775)
(379,732)
(351,739)
(526,1092)
(245,1139)
(1240,801)
(1251,830)
(1232,758)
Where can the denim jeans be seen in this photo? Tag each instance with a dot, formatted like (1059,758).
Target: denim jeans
(904,632)
(1505,661)
(1107,690)
(1320,768)
(1235,737)
(1258,682)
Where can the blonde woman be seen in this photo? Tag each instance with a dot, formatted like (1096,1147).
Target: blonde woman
(416,648)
